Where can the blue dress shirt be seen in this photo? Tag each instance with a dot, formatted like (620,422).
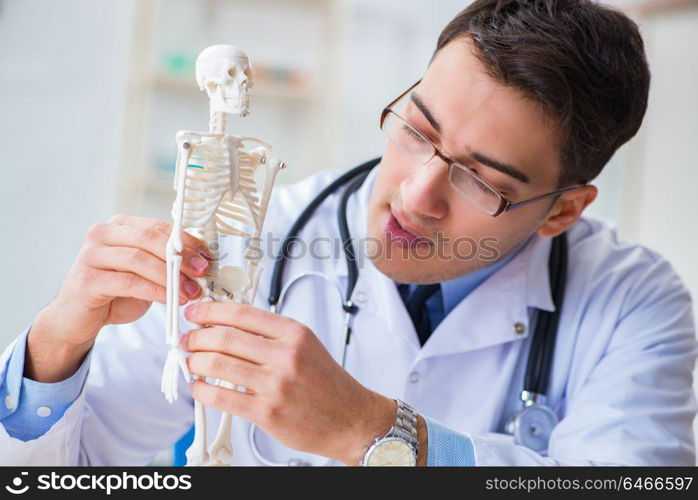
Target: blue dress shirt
(29,408)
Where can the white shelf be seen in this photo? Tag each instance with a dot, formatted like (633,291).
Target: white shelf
(157,98)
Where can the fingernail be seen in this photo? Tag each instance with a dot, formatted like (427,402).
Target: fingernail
(191,288)
(190,311)
(204,252)
(199,263)
(183,340)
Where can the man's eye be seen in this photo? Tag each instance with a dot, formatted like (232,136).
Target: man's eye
(412,133)
(504,191)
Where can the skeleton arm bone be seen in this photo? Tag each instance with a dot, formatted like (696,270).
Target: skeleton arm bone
(175,357)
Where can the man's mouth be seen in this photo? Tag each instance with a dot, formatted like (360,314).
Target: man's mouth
(400,232)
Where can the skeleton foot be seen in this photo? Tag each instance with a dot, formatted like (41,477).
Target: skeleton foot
(221,450)
(197,455)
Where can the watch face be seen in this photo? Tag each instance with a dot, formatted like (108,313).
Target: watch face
(391,452)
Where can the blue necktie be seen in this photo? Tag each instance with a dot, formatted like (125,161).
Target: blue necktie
(416,307)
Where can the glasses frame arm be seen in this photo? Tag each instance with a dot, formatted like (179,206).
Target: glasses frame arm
(511,206)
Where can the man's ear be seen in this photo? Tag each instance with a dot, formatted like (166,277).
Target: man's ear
(566,210)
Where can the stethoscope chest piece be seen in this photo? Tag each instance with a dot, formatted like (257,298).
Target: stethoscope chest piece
(532,427)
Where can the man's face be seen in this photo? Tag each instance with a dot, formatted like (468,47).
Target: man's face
(466,114)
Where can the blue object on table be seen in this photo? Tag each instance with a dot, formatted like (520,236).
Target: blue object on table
(181,447)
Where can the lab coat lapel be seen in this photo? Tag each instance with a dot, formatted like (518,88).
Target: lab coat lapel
(497,311)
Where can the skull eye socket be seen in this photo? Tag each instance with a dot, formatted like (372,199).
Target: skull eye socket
(232,72)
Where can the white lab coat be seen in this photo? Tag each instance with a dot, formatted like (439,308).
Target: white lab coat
(621,378)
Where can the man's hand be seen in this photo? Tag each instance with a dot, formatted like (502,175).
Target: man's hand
(120,270)
(296,391)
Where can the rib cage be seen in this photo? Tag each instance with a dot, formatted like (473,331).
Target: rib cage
(239,213)
(207,180)
(237,209)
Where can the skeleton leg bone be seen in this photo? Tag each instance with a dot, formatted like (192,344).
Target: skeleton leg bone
(221,450)
(234,283)
(197,453)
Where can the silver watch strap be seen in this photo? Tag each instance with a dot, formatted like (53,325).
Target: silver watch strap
(405,426)
(405,429)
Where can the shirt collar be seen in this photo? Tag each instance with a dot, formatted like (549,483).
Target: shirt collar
(455,290)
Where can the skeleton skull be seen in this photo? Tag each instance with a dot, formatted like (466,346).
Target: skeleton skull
(224,72)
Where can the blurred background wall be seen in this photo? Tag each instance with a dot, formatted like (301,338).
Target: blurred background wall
(93,91)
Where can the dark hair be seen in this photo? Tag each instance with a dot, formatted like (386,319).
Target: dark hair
(582,62)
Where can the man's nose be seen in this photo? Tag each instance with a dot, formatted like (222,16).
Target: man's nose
(424,192)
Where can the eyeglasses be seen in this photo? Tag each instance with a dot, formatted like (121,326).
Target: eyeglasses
(466,182)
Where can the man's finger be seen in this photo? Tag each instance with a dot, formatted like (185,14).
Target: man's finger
(249,318)
(228,340)
(120,284)
(140,262)
(153,241)
(164,227)
(228,400)
(229,368)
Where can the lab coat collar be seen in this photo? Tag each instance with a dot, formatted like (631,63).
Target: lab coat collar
(538,291)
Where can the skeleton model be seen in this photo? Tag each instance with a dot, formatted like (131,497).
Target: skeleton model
(223,183)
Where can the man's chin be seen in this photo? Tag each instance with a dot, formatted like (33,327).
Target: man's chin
(391,270)
(398,261)
(421,271)
(408,270)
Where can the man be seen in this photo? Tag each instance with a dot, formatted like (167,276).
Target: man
(522,101)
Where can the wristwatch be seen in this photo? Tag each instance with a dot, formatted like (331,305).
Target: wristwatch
(400,446)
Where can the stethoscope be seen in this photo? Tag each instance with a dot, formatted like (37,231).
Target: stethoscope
(533,424)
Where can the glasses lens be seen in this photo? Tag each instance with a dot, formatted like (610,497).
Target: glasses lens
(407,138)
(473,189)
